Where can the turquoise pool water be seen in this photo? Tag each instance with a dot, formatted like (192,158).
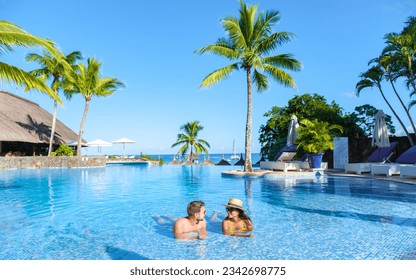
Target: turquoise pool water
(107,213)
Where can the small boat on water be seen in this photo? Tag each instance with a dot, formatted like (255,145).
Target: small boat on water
(234,156)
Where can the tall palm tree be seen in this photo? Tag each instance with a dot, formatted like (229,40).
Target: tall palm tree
(250,40)
(392,69)
(189,139)
(12,35)
(373,78)
(87,81)
(52,68)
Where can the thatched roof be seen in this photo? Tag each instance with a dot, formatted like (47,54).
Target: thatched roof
(25,121)
(223,162)
(241,161)
(207,161)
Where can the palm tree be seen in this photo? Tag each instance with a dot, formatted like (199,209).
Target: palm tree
(392,69)
(52,68)
(12,35)
(87,81)
(373,78)
(189,139)
(250,41)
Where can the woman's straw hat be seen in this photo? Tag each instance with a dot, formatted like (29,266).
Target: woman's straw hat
(235,203)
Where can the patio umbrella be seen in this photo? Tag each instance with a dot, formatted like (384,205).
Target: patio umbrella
(123,141)
(241,161)
(99,143)
(75,143)
(380,134)
(292,132)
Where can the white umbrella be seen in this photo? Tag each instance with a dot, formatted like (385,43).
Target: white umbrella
(123,141)
(99,143)
(292,133)
(380,135)
(75,143)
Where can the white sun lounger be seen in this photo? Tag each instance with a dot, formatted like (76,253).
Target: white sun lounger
(408,158)
(408,171)
(379,155)
(387,169)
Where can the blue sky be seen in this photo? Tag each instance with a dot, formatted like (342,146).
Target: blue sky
(149,45)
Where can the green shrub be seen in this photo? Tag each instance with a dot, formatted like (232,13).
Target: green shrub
(63,150)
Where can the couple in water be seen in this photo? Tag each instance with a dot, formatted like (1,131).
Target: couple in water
(236,223)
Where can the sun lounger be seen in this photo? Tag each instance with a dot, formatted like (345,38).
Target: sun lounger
(408,171)
(282,161)
(408,158)
(380,155)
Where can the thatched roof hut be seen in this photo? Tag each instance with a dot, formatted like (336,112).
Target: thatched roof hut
(23,121)
(207,161)
(241,161)
(223,162)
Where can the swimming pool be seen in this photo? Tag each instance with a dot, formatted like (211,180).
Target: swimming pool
(107,213)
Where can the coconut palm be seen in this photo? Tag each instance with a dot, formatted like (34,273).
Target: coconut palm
(250,40)
(189,139)
(392,68)
(12,35)
(52,68)
(87,81)
(373,78)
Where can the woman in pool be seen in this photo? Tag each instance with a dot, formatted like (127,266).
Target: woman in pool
(237,223)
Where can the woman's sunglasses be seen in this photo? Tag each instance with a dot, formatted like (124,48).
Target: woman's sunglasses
(229,209)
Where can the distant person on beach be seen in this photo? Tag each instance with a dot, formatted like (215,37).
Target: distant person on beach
(194,225)
(237,223)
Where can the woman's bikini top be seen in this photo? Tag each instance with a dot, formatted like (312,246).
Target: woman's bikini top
(242,228)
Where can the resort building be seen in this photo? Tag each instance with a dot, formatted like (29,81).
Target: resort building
(25,127)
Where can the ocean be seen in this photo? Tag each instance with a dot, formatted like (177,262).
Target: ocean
(255,157)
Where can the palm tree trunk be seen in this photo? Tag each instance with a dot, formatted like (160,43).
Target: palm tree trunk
(400,121)
(81,128)
(55,107)
(411,78)
(401,102)
(247,164)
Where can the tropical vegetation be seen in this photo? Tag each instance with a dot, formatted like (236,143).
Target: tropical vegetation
(273,134)
(395,64)
(189,140)
(87,81)
(53,69)
(250,39)
(63,150)
(11,36)
(315,136)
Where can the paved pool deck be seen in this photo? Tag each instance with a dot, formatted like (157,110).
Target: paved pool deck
(311,174)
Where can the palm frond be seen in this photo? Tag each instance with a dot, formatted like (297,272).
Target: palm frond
(260,80)
(13,35)
(218,75)
(263,24)
(222,47)
(232,27)
(270,43)
(15,75)
(362,84)
(285,61)
(280,76)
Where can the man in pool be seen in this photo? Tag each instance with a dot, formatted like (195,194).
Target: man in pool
(194,226)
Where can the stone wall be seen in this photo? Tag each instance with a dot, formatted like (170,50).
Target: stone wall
(51,162)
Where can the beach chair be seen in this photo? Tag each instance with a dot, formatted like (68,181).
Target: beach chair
(407,171)
(378,156)
(282,161)
(408,158)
